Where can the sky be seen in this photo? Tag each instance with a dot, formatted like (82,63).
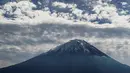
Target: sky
(32,32)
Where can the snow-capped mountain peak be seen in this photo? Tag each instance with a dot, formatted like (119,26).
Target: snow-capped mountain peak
(67,62)
(77,47)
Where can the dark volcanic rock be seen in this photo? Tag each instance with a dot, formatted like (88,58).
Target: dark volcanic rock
(76,56)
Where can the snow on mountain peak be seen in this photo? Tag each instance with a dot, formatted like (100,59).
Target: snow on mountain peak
(77,47)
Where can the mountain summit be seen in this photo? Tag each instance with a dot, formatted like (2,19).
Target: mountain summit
(75,56)
(77,47)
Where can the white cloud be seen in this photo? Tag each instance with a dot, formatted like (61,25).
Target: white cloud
(23,42)
(38,31)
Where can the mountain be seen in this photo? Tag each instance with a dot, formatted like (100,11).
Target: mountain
(75,56)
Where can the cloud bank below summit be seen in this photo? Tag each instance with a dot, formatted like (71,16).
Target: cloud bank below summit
(26,36)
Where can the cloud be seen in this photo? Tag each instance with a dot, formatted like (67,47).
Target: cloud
(25,37)
(19,43)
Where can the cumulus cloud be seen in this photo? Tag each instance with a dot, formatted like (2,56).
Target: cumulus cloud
(102,12)
(21,42)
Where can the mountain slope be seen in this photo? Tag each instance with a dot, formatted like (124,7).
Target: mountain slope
(76,56)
